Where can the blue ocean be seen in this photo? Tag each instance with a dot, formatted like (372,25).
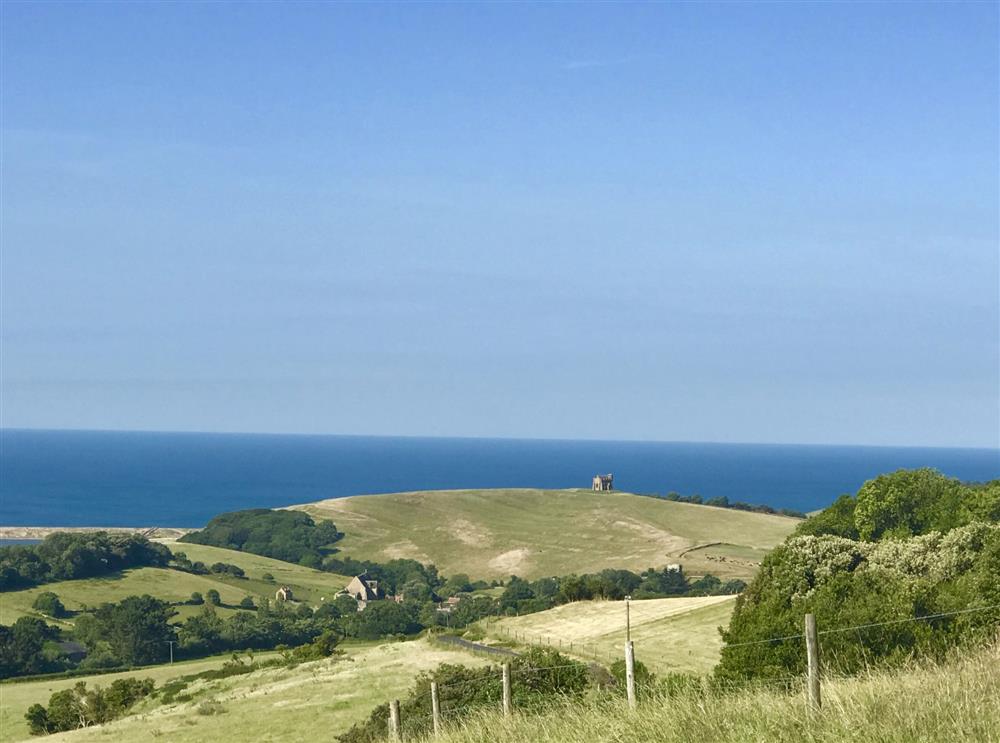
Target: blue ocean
(103,478)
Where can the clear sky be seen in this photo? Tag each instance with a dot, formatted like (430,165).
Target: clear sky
(738,222)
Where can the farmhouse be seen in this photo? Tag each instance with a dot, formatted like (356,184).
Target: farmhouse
(364,588)
(603,482)
(283,594)
(448,605)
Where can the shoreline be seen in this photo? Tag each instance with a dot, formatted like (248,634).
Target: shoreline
(40,532)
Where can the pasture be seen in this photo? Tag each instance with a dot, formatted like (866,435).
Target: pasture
(535,533)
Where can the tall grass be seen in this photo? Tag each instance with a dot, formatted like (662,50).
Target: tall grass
(956,702)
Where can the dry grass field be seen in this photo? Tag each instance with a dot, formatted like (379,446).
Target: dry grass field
(535,533)
(958,702)
(314,701)
(674,634)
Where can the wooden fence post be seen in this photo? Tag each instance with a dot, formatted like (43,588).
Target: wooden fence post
(812,658)
(435,708)
(630,673)
(506,690)
(394,720)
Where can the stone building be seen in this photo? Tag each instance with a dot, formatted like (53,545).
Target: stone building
(364,588)
(283,594)
(603,482)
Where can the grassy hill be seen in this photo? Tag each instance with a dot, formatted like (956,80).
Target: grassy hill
(314,701)
(176,586)
(17,696)
(536,533)
(675,634)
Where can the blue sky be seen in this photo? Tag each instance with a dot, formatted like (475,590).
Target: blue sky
(736,222)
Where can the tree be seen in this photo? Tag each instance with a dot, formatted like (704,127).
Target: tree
(196,599)
(346,605)
(38,720)
(213,597)
(202,633)
(247,603)
(836,519)
(907,503)
(383,618)
(21,646)
(137,629)
(48,603)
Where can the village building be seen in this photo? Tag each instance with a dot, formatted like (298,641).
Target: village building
(448,605)
(603,483)
(283,594)
(363,588)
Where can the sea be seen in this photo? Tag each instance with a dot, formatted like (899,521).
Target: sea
(112,478)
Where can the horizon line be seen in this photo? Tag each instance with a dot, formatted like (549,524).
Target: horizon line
(493,438)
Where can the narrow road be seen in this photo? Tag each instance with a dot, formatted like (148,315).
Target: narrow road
(475,646)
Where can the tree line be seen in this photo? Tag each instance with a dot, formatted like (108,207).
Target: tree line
(723,501)
(291,536)
(68,556)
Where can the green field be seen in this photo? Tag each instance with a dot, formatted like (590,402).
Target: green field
(314,701)
(307,584)
(535,533)
(163,583)
(311,586)
(674,634)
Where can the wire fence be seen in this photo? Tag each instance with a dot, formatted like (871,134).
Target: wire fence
(440,702)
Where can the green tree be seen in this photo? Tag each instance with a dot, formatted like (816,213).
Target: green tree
(21,646)
(212,596)
(137,628)
(908,502)
(48,603)
(836,519)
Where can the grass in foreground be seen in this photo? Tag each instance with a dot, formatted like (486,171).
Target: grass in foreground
(670,635)
(955,703)
(537,533)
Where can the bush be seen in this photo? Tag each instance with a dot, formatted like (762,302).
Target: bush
(247,603)
(196,599)
(79,706)
(543,677)
(848,583)
(48,603)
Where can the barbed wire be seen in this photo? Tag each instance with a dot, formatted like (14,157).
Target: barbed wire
(852,628)
(706,685)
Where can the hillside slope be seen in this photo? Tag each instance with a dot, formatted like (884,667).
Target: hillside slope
(174,586)
(312,702)
(536,533)
(674,634)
